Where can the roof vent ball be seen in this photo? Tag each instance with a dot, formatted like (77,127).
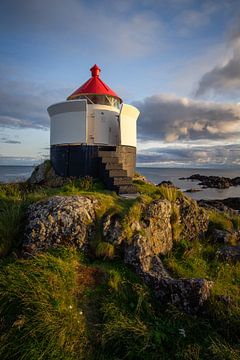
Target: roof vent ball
(95,70)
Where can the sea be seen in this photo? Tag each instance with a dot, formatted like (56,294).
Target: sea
(155,175)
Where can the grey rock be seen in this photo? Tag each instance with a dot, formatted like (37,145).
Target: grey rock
(229,253)
(188,295)
(59,221)
(167,183)
(222,236)
(44,174)
(193,218)
(112,229)
(156,226)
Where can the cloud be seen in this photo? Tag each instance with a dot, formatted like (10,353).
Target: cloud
(127,31)
(19,160)
(9,141)
(23,104)
(228,155)
(169,118)
(224,78)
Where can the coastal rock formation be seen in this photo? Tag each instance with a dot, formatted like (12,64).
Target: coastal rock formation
(223,236)
(217,182)
(44,174)
(187,294)
(225,205)
(194,218)
(60,221)
(229,253)
(154,223)
(71,221)
(152,236)
(167,183)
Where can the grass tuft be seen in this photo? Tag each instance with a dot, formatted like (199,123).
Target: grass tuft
(219,221)
(105,249)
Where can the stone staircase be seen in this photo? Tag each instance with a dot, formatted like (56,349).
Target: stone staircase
(112,173)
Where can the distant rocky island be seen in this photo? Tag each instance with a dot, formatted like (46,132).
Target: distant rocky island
(217,182)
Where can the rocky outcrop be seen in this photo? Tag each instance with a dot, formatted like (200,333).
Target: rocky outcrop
(44,174)
(194,218)
(59,221)
(151,237)
(187,294)
(154,223)
(231,205)
(229,253)
(167,183)
(218,182)
(223,236)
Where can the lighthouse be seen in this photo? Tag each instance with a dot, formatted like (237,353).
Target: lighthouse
(94,133)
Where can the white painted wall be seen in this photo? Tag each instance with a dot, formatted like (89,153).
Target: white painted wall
(68,122)
(76,122)
(128,125)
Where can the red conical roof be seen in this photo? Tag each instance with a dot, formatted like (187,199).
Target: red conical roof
(93,86)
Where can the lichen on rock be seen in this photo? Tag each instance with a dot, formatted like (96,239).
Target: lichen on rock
(60,220)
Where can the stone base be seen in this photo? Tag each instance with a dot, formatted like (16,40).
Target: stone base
(83,160)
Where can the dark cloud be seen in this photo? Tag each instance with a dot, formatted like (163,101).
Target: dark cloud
(224,78)
(170,119)
(191,156)
(23,104)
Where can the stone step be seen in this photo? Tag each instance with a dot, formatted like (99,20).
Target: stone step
(113,166)
(117,173)
(120,180)
(126,189)
(105,154)
(109,160)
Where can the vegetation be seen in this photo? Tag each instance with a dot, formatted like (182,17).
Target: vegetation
(220,221)
(58,305)
(61,305)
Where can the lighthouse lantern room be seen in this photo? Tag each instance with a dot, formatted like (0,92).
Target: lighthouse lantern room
(94,133)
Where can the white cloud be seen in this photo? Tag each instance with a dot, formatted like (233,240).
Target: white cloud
(170,118)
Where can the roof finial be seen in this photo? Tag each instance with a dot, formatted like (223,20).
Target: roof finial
(95,70)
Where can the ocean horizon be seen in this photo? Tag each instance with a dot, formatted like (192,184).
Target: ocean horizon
(14,173)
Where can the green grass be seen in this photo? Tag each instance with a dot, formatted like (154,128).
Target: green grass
(105,249)
(220,221)
(59,305)
(11,226)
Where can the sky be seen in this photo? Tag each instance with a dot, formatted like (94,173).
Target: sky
(178,61)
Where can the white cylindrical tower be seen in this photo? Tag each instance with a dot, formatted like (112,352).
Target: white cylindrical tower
(92,119)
